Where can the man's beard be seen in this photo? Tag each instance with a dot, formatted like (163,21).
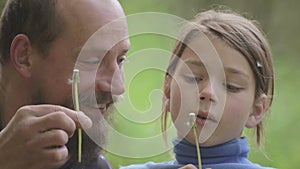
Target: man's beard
(91,146)
(93,139)
(92,142)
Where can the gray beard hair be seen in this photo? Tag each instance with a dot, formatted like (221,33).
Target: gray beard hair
(92,141)
(91,147)
(98,132)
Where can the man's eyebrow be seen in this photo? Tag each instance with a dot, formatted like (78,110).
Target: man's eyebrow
(76,49)
(91,49)
(79,49)
(124,51)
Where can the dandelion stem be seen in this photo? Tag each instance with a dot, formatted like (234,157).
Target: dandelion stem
(192,120)
(197,147)
(75,92)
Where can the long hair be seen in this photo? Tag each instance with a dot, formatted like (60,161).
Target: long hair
(242,34)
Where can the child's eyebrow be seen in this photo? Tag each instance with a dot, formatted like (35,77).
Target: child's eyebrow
(230,70)
(236,71)
(194,62)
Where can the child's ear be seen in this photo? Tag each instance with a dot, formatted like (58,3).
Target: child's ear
(258,112)
(166,97)
(20,54)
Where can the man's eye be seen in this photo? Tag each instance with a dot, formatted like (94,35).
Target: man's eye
(122,60)
(232,88)
(92,61)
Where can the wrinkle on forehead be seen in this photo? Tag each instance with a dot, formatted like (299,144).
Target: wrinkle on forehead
(85,17)
(79,13)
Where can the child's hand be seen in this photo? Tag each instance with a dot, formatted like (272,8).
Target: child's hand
(190,166)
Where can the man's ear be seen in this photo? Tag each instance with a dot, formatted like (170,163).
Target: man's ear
(20,54)
(166,97)
(258,112)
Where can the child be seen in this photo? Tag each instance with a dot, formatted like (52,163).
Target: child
(229,87)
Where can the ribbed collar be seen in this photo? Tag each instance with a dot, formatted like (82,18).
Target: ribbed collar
(234,151)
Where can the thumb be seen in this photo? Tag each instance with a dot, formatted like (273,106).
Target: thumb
(83,121)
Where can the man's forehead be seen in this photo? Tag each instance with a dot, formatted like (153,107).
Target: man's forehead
(102,19)
(91,13)
(88,8)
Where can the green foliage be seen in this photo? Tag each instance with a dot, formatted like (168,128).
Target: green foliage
(280,148)
(2,3)
(279,20)
(282,135)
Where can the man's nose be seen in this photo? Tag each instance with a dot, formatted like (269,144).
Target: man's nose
(110,78)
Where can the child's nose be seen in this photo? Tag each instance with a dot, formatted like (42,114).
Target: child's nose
(207,92)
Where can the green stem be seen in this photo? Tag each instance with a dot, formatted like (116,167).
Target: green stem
(75,91)
(197,147)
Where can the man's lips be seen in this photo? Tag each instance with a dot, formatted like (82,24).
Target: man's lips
(102,107)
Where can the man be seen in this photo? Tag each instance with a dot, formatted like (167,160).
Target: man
(40,44)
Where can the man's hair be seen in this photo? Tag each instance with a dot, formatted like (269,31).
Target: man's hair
(37,19)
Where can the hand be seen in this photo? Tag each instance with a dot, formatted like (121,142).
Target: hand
(35,137)
(190,166)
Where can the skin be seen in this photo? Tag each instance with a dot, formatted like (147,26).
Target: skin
(189,166)
(36,103)
(241,108)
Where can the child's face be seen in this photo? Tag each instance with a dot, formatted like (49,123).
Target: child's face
(224,97)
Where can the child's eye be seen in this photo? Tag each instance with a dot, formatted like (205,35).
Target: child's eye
(193,79)
(232,88)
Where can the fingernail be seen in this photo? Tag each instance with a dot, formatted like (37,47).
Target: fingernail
(84,120)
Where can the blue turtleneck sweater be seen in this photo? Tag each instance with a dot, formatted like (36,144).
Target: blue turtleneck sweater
(230,155)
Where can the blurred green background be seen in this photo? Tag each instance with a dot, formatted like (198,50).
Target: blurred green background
(280,22)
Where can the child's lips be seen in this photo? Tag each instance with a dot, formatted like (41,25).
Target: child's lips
(203,117)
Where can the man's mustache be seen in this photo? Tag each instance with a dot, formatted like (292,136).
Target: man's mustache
(90,98)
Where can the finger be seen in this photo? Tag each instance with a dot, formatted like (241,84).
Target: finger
(83,121)
(80,119)
(55,157)
(52,138)
(56,120)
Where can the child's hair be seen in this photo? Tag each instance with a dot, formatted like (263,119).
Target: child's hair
(243,35)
